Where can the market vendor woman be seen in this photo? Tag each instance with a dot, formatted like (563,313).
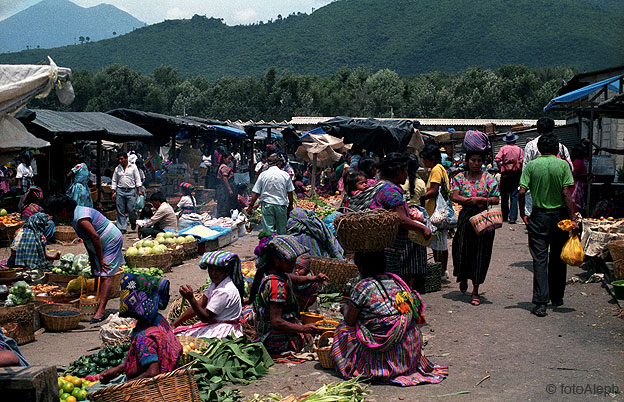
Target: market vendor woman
(154,349)
(101,238)
(275,309)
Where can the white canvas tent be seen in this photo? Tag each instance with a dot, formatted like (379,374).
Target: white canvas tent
(320,152)
(18,85)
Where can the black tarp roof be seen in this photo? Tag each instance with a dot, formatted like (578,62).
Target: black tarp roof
(378,136)
(91,126)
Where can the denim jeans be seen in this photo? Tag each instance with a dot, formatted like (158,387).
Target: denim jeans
(126,203)
(509,196)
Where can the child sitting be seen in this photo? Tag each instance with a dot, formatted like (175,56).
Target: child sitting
(219,309)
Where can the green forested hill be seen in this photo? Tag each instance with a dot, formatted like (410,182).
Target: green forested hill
(407,36)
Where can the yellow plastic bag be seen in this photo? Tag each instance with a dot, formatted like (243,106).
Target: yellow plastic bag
(572,252)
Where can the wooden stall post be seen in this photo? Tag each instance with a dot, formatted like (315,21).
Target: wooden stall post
(98,168)
(314,158)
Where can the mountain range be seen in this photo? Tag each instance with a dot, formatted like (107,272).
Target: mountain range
(407,36)
(54,23)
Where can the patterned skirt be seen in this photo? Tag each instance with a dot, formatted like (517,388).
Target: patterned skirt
(471,253)
(406,258)
(402,364)
(275,342)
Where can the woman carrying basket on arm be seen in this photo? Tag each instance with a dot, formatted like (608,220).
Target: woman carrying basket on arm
(101,238)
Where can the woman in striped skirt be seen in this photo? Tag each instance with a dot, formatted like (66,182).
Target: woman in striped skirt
(379,338)
(474,190)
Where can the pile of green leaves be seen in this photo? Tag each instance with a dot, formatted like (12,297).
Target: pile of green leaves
(223,361)
(106,358)
(153,271)
(346,391)
(327,299)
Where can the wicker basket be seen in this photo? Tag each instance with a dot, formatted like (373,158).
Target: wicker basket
(88,307)
(115,289)
(60,278)
(323,352)
(177,254)
(340,272)
(190,249)
(65,233)
(179,306)
(9,329)
(162,261)
(616,249)
(24,317)
(56,323)
(7,273)
(433,279)
(178,385)
(200,343)
(367,231)
(618,270)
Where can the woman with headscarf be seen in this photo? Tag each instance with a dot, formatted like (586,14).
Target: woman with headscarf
(379,338)
(154,349)
(226,196)
(186,206)
(314,234)
(275,309)
(219,309)
(79,189)
(404,258)
(29,243)
(10,355)
(102,239)
(30,204)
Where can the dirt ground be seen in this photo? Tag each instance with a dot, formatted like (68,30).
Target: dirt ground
(576,353)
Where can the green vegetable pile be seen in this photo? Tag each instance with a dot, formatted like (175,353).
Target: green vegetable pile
(223,361)
(71,264)
(108,357)
(346,391)
(143,271)
(321,213)
(20,293)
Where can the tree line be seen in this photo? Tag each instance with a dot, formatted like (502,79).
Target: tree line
(510,91)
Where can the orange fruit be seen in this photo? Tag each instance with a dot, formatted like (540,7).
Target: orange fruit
(69,378)
(71,399)
(77,382)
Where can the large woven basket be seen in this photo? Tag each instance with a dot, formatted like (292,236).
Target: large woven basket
(9,329)
(340,272)
(178,385)
(433,279)
(65,233)
(56,323)
(190,249)
(88,307)
(24,317)
(177,254)
(115,289)
(179,306)
(368,231)
(323,352)
(162,261)
(616,249)
(200,343)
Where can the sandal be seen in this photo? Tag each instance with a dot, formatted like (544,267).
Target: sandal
(475,300)
(463,286)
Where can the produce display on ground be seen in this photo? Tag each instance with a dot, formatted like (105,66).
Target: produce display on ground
(223,361)
(47,290)
(10,219)
(144,271)
(20,293)
(157,246)
(70,264)
(320,205)
(72,389)
(108,357)
(346,391)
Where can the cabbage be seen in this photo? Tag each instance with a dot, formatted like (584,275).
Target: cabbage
(20,293)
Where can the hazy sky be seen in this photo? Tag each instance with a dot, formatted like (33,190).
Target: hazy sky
(151,11)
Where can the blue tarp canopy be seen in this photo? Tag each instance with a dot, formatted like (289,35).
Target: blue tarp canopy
(237,133)
(262,135)
(561,101)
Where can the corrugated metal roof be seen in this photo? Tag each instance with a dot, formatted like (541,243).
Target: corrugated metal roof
(310,120)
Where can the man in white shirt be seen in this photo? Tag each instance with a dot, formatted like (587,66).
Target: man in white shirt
(126,185)
(275,190)
(164,218)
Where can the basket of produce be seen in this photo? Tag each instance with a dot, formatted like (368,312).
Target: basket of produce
(10,223)
(9,329)
(116,330)
(340,272)
(190,344)
(153,271)
(180,305)
(616,249)
(8,273)
(48,293)
(69,267)
(65,233)
(107,357)
(323,348)
(24,317)
(310,318)
(149,254)
(177,253)
(368,231)
(59,317)
(178,385)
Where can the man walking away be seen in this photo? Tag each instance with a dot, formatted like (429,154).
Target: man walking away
(126,185)
(549,179)
(509,160)
(275,190)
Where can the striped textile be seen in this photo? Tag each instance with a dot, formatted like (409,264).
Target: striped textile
(186,185)
(402,364)
(406,258)
(222,259)
(30,210)
(30,250)
(288,247)
(471,253)
(314,234)
(475,140)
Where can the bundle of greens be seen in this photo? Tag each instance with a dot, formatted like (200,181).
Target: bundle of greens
(346,391)
(20,293)
(223,361)
(71,264)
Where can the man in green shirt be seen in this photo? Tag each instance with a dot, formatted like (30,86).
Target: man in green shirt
(549,179)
